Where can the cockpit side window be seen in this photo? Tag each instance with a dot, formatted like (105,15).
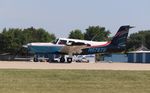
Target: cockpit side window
(62,42)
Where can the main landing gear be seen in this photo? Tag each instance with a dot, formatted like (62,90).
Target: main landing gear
(68,59)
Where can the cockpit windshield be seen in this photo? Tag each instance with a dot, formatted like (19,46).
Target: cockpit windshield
(55,42)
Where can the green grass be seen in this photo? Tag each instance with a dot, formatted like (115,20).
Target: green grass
(74,81)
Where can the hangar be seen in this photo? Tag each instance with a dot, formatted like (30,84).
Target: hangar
(141,55)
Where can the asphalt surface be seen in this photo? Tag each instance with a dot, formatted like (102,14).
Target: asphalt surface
(82,66)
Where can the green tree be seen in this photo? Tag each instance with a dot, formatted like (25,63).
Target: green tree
(76,34)
(12,39)
(137,39)
(3,43)
(37,35)
(147,40)
(96,33)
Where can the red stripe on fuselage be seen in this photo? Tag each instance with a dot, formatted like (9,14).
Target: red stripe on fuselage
(100,45)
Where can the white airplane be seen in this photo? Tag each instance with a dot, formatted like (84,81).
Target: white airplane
(74,46)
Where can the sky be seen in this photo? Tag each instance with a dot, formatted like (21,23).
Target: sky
(62,16)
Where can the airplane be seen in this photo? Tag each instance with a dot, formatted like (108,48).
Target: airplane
(71,47)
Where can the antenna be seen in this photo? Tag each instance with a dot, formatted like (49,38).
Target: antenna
(94,37)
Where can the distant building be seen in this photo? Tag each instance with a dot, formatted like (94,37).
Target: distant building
(115,58)
(141,55)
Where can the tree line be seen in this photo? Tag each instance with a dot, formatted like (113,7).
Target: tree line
(138,39)
(14,38)
(94,33)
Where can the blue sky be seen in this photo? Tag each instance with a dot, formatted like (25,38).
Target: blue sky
(62,16)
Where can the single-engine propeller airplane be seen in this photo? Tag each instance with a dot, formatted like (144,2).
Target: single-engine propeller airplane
(75,47)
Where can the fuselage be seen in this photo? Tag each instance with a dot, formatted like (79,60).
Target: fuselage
(57,45)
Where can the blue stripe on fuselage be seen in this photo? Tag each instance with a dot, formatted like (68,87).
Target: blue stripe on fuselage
(45,49)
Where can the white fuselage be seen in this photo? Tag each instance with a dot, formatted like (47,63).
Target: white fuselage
(66,41)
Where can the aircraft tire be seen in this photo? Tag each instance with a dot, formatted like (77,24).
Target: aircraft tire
(62,60)
(35,59)
(69,59)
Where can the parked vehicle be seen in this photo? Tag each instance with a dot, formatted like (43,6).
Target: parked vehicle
(81,58)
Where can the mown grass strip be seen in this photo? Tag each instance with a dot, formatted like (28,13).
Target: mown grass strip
(74,81)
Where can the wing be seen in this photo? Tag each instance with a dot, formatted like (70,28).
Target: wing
(75,48)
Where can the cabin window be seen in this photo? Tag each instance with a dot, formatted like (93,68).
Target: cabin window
(70,42)
(62,42)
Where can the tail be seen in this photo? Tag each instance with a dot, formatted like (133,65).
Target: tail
(117,44)
(120,38)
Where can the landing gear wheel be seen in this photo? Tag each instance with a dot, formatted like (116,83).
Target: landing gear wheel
(35,60)
(69,59)
(62,59)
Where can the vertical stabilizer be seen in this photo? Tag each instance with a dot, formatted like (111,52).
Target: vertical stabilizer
(120,38)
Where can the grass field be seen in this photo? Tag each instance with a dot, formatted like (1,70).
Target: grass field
(74,81)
